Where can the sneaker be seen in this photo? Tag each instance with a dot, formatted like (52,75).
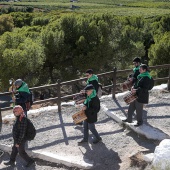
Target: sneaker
(82,141)
(30,163)
(126,120)
(11,163)
(97,140)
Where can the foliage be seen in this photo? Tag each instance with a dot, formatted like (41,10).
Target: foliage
(6,23)
(63,45)
(119,7)
(22,19)
(20,56)
(12,8)
(159,52)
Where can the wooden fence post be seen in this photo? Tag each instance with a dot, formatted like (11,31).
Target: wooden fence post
(0,121)
(59,95)
(168,85)
(114,83)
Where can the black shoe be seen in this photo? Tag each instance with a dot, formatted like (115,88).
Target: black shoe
(82,141)
(11,163)
(126,120)
(30,163)
(97,140)
(80,124)
(138,124)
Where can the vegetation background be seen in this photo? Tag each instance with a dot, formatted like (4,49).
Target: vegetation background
(45,40)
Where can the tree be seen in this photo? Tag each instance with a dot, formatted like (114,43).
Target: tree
(159,52)
(21,57)
(6,23)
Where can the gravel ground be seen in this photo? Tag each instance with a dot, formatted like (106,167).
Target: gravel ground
(56,133)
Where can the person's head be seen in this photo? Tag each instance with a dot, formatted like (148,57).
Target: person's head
(143,68)
(18,110)
(89,89)
(18,83)
(89,73)
(136,61)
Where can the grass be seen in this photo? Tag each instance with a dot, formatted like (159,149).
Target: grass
(118,7)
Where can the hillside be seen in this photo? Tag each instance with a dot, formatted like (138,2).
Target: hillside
(123,7)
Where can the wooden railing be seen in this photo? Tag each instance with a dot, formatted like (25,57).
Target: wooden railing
(112,74)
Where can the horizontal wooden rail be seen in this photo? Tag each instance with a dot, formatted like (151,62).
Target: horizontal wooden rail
(58,85)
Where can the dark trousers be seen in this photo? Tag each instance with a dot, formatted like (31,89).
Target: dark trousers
(135,105)
(21,151)
(92,128)
(25,112)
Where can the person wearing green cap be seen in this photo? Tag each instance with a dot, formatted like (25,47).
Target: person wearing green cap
(23,95)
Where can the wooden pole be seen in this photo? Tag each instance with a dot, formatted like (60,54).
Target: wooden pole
(114,82)
(0,121)
(168,85)
(59,95)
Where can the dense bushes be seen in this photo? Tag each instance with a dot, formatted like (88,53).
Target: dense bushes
(43,48)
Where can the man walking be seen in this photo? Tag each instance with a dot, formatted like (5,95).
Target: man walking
(91,108)
(19,136)
(92,79)
(140,88)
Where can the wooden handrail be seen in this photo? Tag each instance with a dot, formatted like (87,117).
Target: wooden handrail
(58,85)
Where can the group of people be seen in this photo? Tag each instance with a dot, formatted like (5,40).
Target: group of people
(140,86)
(91,106)
(141,80)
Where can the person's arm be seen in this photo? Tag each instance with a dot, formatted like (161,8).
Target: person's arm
(94,106)
(22,97)
(134,79)
(143,85)
(95,84)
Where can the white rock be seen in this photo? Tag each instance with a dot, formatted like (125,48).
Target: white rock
(148,157)
(162,155)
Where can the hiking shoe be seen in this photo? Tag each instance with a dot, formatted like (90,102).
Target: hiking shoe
(30,163)
(9,163)
(97,140)
(126,120)
(82,141)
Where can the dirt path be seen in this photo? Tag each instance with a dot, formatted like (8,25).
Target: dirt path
(57,133)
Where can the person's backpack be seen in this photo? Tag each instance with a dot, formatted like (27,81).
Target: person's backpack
(31,131)
(99,93)
(151,84)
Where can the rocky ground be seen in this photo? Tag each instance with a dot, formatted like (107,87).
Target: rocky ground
(57,133)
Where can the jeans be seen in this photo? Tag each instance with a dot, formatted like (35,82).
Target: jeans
(21,150)
(135,105)
(92,128)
